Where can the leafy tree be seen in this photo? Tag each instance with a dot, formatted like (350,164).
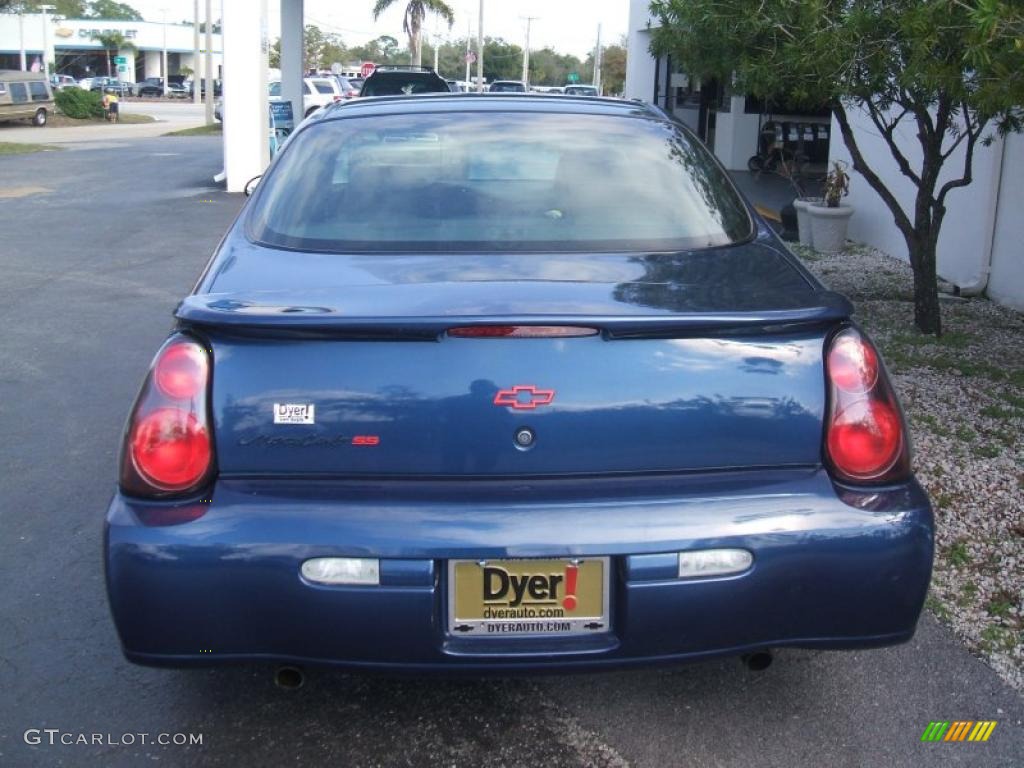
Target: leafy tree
(108,9)
(70,9)
(613,68)
(936,70)
(412,22)
(112,42)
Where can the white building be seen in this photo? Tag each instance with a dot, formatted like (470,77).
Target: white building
(981,247)
(727,122)
(73,51)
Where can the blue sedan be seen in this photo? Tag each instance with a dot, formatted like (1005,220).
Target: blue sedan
(498,383)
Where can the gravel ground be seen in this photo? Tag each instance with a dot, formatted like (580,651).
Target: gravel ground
(964,396)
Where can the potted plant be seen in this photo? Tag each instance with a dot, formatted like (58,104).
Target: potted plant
(803,218)
(830,219)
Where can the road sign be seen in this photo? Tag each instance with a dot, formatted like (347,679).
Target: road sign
(367,69)
(119,60)
(573,77)
(122,68)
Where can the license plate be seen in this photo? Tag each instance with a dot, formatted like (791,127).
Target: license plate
(516,598)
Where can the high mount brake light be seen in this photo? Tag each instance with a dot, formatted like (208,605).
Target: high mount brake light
(521,331)
(168,448)
(864,439)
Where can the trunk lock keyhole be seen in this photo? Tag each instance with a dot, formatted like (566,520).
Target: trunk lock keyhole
(524,438)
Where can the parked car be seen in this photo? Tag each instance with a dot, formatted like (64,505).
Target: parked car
(177,91)
(25,96)
(403,81)
(559,399)
(151,86)
(507,86)
(217,87)
(60,82)
(104,84)
(316,92)
(357,83)
(580,90)
(345,87)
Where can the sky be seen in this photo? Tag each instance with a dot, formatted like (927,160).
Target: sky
(568,26)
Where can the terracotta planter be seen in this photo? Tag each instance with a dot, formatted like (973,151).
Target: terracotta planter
(803,218)
(828,227)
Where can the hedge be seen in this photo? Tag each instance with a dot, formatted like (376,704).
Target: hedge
(79,104)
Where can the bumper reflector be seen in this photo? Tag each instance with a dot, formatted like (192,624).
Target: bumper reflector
(713,562)
(342,570)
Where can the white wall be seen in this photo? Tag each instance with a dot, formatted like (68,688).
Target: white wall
(1006,284)
(640,63)
(246,107)
(963,249)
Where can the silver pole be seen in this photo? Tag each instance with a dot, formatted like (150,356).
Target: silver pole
(21,42)
(197,62)
(480,51)
(526,53)
(210,90)
(597,62)
(46,39)
(469,37)
(164,62)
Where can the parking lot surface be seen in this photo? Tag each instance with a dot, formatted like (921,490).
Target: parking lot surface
(97,248)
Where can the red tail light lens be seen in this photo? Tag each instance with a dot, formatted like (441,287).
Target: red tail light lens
(181,371)
(168,447)
(171,448)
(865,439)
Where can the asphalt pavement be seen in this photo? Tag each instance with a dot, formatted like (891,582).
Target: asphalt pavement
(96,247)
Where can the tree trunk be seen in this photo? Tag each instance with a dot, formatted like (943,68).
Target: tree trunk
(109,72)
(417,48)
(927,315)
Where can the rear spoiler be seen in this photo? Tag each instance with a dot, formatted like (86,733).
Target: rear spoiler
(271,314)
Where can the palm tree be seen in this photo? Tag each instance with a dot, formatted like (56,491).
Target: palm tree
(415,12)
(113,41)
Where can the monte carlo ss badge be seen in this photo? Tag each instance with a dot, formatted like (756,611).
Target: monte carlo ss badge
(502,598)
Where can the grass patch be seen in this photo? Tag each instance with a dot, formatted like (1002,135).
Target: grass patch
(935,605)
(965,433)
(130,118)
(202,130)
(959,556)
(987,451)
(14,148)
(998,638)
(950,340)
(998,412)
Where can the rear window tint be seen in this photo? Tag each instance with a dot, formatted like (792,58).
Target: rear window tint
(398,83)
(476,181)
(324,87)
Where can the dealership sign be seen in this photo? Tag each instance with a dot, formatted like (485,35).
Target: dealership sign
(89,34)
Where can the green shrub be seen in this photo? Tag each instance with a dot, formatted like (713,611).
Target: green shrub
(79,104)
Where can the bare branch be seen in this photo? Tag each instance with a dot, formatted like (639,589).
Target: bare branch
(887,130)
(861,166)
(972,130)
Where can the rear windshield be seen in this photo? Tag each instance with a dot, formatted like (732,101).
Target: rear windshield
(323,87)
(399,83)
(471,181)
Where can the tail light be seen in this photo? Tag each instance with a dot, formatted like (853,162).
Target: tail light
(168,444)
(865,438)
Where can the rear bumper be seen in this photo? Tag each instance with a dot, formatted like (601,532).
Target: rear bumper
(832,568)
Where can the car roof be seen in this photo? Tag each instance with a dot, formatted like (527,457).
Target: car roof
(490,102)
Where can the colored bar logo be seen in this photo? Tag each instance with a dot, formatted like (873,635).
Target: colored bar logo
(958,730)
